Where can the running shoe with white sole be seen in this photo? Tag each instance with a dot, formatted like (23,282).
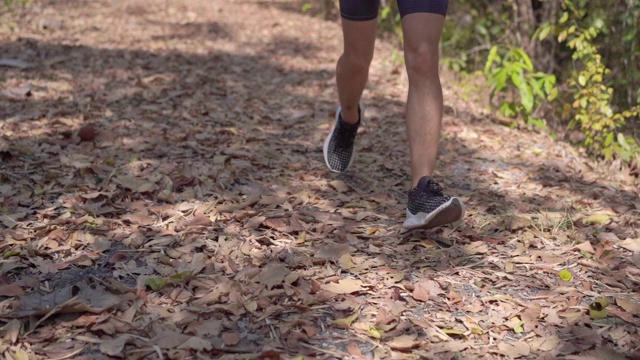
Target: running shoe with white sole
(338,148)
(428,207)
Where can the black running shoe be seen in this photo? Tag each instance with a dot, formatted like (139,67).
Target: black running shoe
(428,207)
(338,147)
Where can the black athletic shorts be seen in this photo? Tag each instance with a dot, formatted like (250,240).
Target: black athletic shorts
(362,10)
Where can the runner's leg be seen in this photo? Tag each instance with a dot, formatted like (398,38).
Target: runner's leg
(352,69)
(422,23)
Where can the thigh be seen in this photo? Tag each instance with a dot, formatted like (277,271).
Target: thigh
(407,7)
(359,10)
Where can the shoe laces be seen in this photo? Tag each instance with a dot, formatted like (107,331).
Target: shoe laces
(345,135)
(429,186)
(434,188)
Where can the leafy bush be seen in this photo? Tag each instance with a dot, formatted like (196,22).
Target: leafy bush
(511,68)
(592,104)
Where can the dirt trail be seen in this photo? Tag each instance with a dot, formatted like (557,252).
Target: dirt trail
(163,195)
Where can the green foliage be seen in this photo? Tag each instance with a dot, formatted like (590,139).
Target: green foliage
(389,21)
(510,69)
(10,3)
(592,108)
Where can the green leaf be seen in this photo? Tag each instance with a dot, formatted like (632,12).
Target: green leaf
(526,97)
(563,36)
(516,324)
(565,275)
(564,18)
(536,86)
(508,109)
(180,275)
(544,32)
(453,332)
(537,122)
(596,219)
(492,57)
(10,253)
(345,323)
(156,283)
(623,142)
(20,355)
(375,333)
(598,309)
(608,140)
(525,57)
(582,80)
(306,7)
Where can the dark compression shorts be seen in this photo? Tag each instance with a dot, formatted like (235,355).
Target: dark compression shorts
(362,10)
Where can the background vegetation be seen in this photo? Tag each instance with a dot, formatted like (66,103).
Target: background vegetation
(568,65)
(571,66)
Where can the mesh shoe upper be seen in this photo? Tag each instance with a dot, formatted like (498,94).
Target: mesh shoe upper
(426,197)
(339,146)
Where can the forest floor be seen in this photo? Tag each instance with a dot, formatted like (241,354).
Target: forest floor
(163,195)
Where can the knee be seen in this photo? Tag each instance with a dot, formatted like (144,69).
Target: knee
(357,63)
(422,61)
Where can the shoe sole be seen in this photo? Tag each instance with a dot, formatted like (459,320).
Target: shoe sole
(325,147)
(447,213)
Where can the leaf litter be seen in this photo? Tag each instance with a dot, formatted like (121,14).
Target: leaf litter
(163,195)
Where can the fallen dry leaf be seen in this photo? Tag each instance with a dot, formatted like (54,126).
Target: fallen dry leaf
(77,298)
(344,286)
(11,290)
(514,350)
(403,342)
(426,289)
(631,245)
(230,337)
(115,346)
(273,275)
(147,157)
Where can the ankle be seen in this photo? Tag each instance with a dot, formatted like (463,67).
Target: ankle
(350,117)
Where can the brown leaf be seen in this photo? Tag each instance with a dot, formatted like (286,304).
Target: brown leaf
(114,347)
(254,222)
(196,343)
(515,350)
(134,184)
(607,236)
(273,275)
(11,290)
(344,286)
(425,289)
(81,297)
(354,350)
(586,247)
(11,330)
(333,251)
(253,192)
(230,337)
(88,132)
(403,342)
(169,340)
(345,323)
(545,343)
(199,220)
(628,305)
(205,328)
(476,247)
(339,185)
(518,223)
(631,245)
(450,346)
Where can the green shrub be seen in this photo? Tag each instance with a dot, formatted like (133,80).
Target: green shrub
(509,69)
(592,103)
